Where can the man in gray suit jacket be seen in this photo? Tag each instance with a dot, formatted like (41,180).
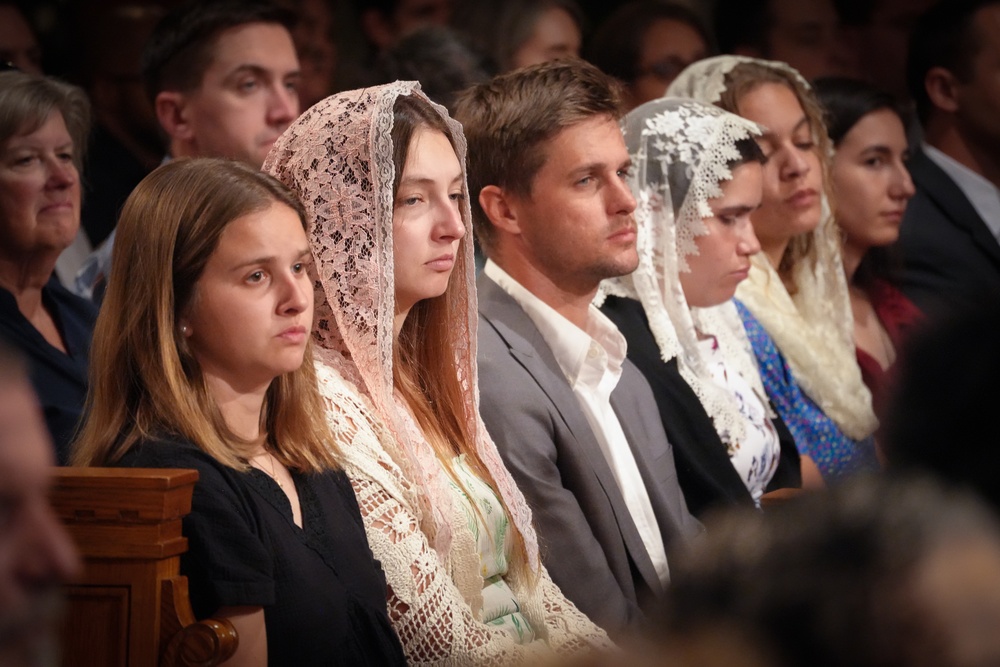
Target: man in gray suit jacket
(574,420)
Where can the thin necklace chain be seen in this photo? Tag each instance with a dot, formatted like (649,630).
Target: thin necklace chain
(270,473)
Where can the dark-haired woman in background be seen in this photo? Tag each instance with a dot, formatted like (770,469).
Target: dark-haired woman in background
(871,187)
(517,33)
(646,44)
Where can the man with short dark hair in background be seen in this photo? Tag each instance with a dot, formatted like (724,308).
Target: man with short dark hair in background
(222,76)
(949,240)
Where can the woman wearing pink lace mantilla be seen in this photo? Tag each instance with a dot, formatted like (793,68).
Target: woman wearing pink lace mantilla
(382,174)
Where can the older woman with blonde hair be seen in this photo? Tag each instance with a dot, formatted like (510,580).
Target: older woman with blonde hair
(382,173)
(795,302)
(198,363)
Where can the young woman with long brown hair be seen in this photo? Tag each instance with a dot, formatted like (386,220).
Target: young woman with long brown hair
(382,175)
(198,363)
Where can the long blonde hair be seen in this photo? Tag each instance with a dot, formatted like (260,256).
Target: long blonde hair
(144,380)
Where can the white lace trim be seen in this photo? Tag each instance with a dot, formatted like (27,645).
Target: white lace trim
(680,150)
(814,328)
(435,600)
(705,80)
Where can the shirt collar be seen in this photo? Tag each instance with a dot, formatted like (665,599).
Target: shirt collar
(570,345)
(981,193)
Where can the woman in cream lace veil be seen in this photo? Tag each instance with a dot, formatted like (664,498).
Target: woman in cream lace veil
(684,153)
(428,478)
(795,303)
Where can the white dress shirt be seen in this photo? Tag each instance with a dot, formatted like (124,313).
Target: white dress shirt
(592,361)
(981,193)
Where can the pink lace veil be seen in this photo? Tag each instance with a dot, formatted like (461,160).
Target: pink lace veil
(338,156)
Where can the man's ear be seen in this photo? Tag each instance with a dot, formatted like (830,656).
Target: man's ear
(942,89)
(501,208)
(171,112)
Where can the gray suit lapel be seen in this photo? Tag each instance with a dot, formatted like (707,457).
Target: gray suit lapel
(651,454)
(529,348)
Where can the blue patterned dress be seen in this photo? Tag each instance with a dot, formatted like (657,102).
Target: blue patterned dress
(816,435)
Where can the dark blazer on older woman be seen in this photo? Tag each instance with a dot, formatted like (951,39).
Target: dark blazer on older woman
(59,379)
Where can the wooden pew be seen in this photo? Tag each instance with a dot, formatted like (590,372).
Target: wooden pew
(130,607)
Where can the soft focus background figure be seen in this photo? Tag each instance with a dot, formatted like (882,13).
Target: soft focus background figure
(805,34)
(869,574)
(516,33)
(18,43)
(125,142)
(948,240)
(36,553)
(438,58)
(646,44)
(939,416)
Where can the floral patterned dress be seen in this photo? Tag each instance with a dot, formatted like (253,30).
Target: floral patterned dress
(756,458)
(491,527)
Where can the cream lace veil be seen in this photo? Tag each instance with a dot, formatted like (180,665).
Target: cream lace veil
(814,328)
(338,157)
(680,150)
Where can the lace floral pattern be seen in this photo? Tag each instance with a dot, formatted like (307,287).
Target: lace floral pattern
(680,153)
(705,80)
(436,605)
(814,328)
(757,459)
(338,157)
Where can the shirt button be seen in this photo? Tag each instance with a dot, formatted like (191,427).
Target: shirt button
(592,352)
